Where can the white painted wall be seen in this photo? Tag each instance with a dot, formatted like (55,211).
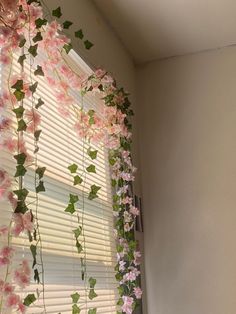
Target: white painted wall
(187,124)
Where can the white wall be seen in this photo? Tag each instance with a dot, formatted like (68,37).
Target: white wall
(187,124)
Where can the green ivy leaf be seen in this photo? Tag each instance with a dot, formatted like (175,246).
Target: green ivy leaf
(73,198)
(37,134)
(67,48)
(18,85)
(20,171)
(93,192)
(33,250)
(77,180)
(37,37)
(20,158)
(19,95)
(40,172)
(21,59)
(29,299)
(40,187)
(39,71)
(91,168)
(73,168)
(67,24)
(112,161)
(36,276)
(92,294)
(92,153)
(120,302)
(70,209)
(92,311)
(21,194)
(79,246)
(77,232)
(91,116)
(40,22)
(22,42)
(79,34)
(92,282)
(21,207)
(33,50)
(33,87)
(57,12)
(19,112)
(75,309)
(39,103)
(21,125)
(75,297)
(88,45)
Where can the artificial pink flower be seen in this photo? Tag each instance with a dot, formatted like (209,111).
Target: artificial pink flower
(137,258)
(22,274)
(127,304)
(12,300)
(33,119)
(134,210)
(138,292)
(7,251)
(5,123)
(22,222)
(4,261)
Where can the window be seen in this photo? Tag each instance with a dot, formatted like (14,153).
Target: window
(60,147)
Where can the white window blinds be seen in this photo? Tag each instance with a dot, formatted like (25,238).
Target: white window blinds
(59,147)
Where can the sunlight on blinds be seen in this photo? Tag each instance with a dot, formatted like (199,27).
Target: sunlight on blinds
(60,147)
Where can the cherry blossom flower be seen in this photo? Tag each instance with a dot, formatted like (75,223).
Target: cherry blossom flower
(22,222)
(127,304)
(22,274)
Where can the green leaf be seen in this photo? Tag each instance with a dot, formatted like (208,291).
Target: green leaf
(18,85)
(92,282)
(40,22)
(75,297)
(79,34)
(77,232)
(67,48)
(92,311)
(67,24)
(21,207)
(33,250)
(77,180)
(92,153)
(21,194)
(39,71)
(37,134)
(37,37)
(57,12)
(91,115)
(88,45)
(40,172)
(75,309)
(29,299)
(19,112)
(93,192)
(70,208)
(21,59)
(92,294)
(73,198)
(20,158)
(73,168)
(33,50)
(21,125)
(112,161)
(33,87)
(79,246)
(36,276)
(40,187)
(19,95)
(39,103)
(91,168)
(22,42)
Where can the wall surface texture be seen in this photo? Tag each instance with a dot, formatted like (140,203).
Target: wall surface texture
(187,124)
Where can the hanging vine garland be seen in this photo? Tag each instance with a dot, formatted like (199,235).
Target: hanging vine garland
(25,31)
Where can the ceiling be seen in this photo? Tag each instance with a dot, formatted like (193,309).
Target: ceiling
(155,29)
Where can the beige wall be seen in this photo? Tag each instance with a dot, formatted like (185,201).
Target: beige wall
(187,124)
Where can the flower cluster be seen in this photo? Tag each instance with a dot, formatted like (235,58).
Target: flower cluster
(22,22)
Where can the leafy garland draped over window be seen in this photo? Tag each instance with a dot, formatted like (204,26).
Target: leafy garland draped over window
(24,30)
